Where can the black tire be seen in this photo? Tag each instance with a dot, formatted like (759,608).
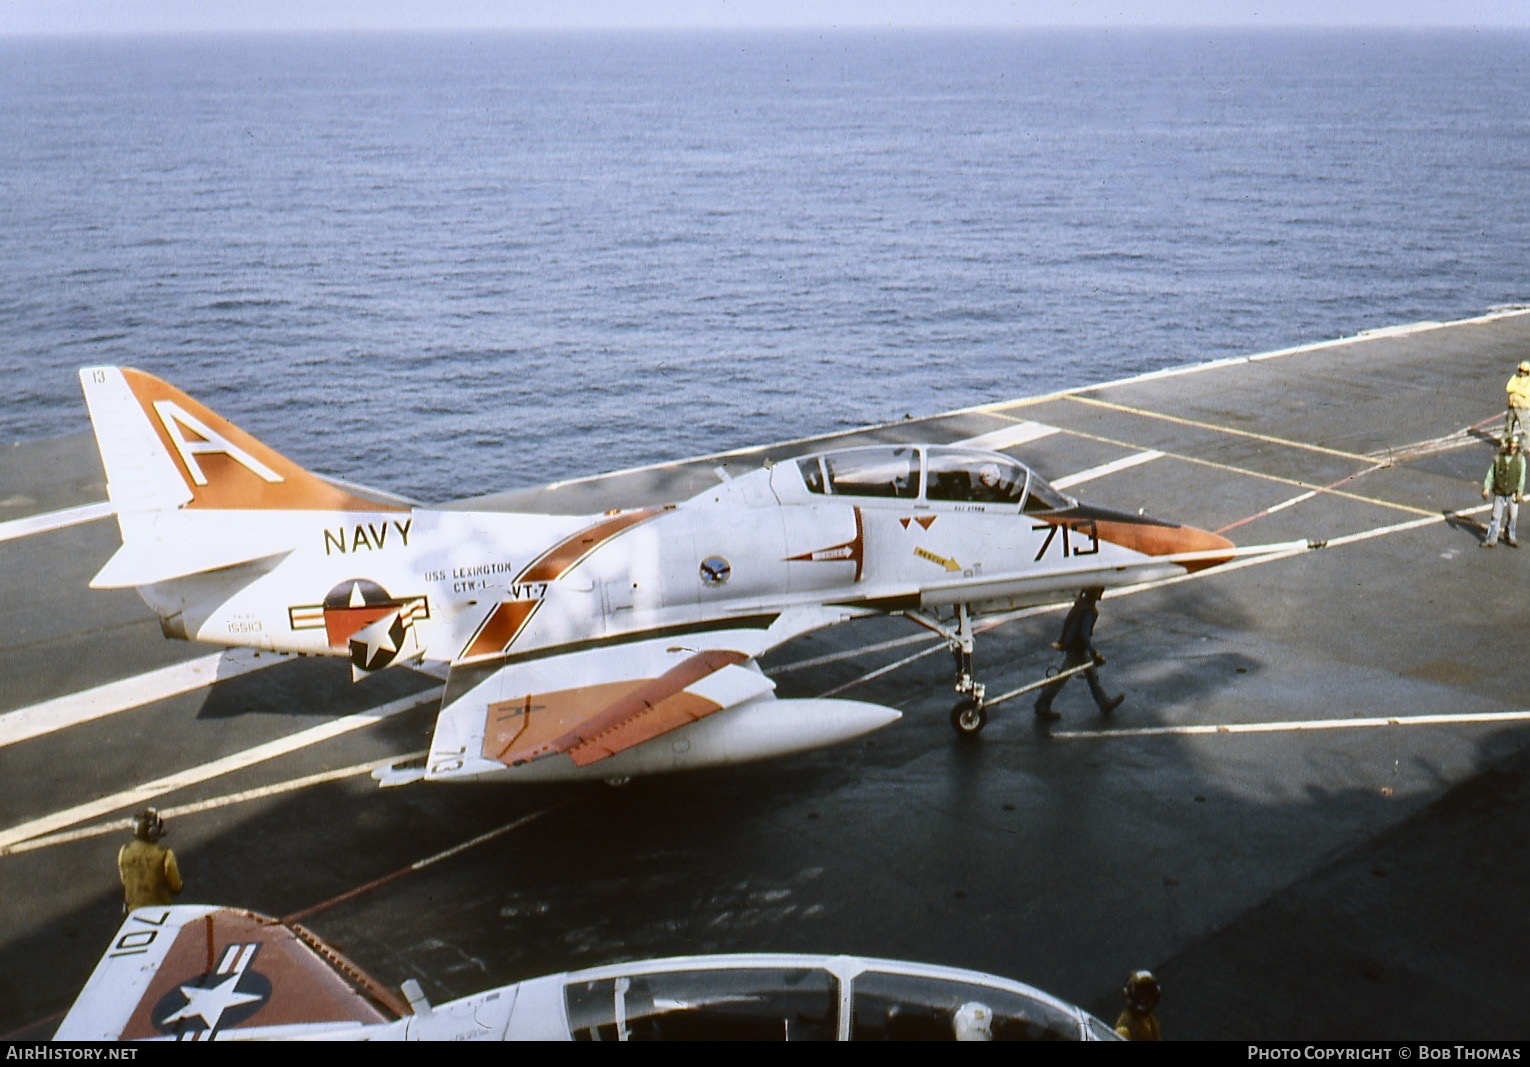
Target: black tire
(968,718)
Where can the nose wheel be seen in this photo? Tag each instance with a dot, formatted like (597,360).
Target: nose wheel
(968,717)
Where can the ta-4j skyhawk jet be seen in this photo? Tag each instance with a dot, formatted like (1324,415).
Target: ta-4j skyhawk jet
(191,972)
(604,645)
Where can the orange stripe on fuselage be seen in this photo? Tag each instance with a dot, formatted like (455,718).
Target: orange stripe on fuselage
(501,627)
(567,554)
(510,617)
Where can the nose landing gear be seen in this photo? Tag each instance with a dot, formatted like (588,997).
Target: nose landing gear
(968,717)
(970,714)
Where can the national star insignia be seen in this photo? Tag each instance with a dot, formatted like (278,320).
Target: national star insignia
(210,1002)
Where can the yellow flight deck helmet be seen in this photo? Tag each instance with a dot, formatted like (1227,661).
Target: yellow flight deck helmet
(1524,367)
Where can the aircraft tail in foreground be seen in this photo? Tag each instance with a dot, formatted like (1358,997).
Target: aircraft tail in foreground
(194,973)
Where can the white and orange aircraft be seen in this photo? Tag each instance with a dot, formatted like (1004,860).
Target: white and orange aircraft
(606,645)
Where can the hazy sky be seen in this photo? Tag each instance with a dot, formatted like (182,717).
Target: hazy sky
(135,16)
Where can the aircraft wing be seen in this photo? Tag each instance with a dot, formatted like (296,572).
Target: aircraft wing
(191,972)
(590,712)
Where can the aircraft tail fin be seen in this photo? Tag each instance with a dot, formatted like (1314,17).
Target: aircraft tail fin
(190,972)
(163,451)
(173,467)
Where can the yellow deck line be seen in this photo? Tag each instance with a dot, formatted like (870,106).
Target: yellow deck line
(1229,469)
(1228,430)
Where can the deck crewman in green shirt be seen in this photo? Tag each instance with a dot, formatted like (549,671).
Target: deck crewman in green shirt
(1505,483)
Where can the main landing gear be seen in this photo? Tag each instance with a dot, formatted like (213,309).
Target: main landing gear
(970,714)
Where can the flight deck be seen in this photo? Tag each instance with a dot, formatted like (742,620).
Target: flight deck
(1308,819)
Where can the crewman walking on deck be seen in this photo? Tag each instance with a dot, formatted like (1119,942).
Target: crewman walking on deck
(1138,1021)
(1077,645)
(1516,421)
(1505,483)
(147,868)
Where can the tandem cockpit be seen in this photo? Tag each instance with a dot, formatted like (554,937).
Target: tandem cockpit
(930,479)
(936,474)
(989,565)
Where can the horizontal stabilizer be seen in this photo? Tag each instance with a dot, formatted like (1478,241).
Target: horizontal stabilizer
(145,563)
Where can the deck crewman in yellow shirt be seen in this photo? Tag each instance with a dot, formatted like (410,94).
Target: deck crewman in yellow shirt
(147,868)
(1138,1021)
(1516,421)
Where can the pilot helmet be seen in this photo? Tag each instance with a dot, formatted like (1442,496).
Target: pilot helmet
(989,475)
(1141,992)
(148,826)
(973,1022)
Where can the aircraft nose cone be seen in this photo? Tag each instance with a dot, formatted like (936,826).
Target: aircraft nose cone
(1154,538)
(1192,539)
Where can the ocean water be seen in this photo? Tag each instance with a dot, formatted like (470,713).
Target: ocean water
(451,264)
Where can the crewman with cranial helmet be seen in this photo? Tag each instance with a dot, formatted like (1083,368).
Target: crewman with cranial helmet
(147,868)
(1505,483)
(1517,419)
(1138,1021)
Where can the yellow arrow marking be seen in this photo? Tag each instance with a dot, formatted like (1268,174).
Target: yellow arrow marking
(947,563)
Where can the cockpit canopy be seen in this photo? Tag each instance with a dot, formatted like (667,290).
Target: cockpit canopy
(937,473)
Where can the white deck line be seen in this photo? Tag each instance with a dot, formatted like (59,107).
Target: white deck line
(61,712)
(1468,719)
(1009,436)
(194,775)
(54,520)
(1124,463)
(291,785)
